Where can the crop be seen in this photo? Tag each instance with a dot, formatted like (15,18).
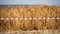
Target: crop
(29,12)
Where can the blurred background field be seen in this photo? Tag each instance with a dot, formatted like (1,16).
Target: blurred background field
(29,2)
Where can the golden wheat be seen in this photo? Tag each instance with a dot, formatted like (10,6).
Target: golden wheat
(29,12)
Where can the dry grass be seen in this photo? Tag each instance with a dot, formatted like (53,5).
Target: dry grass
(29,11)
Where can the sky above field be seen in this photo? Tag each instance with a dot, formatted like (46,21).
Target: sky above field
(29,2)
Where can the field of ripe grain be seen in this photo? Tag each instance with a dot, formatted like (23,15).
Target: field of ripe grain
(38,11)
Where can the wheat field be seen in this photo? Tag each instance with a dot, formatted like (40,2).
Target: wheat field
(36,11)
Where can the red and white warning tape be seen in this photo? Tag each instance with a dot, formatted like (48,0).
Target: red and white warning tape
(48,18)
